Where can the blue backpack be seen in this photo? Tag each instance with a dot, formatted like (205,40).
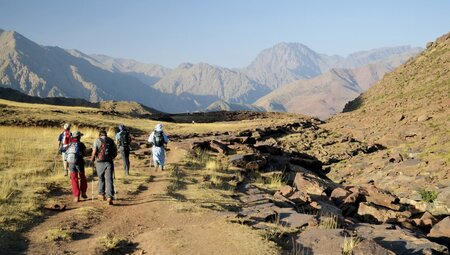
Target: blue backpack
(73,154)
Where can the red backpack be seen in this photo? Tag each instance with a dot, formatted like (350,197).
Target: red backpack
(107,150)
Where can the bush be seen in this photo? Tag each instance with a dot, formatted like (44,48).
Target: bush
(428,195)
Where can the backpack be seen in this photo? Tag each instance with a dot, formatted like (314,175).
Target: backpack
(107,151)
(158,139)
(73,153)
(66,138)
(124,139)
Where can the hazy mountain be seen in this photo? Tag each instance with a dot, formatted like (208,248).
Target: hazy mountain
(222,105)
(207,83)
(326,94)
(147,73)
(52,72)
(287,62)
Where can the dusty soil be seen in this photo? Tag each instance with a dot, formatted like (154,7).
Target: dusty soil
(150,222)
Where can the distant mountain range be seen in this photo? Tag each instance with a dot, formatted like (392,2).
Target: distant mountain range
(54,72)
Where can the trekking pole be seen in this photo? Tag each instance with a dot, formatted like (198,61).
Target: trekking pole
(92,183)
(113,185)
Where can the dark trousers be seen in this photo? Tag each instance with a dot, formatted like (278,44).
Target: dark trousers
(105,172)
(125,154)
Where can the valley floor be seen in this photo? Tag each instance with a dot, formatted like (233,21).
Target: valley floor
(150,222)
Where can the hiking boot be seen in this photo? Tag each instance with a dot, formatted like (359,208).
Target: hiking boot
(109,200)
(83,195)
(76,199)
(101,197)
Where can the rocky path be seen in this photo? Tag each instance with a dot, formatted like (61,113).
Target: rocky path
(148,223)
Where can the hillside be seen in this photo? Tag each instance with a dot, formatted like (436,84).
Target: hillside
(206,84)
(326,94)
(146,73)
(222,105)
(287,62)
(53,72)
(407,112)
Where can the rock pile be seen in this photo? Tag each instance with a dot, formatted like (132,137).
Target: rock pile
(309,199)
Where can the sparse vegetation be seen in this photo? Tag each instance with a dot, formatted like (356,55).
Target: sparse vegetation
(350,244)
(58,234)
(428,195)
(329,221)
(112,242)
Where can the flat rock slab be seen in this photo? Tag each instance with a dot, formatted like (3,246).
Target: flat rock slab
(290,218)
(399,240)
(321,241)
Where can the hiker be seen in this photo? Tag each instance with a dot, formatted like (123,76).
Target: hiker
(64,140)
(75,158)
(104,150)
(158,138)
(123,140)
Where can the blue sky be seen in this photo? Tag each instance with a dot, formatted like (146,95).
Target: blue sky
(228,33)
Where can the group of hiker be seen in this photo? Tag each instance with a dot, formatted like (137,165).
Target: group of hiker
(104,151)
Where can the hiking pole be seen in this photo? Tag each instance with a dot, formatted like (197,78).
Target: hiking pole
(92,183)
(114,186)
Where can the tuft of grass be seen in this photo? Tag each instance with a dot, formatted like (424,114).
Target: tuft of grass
(428,195)
(275,181)
(58,234)
(329,221)
(111,242)
(350,244)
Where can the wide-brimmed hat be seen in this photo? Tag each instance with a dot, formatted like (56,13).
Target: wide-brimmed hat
(77,134)
(102,132)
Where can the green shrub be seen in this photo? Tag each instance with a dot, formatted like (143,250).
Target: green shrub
(428,195)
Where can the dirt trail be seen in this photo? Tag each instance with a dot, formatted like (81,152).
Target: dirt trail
(152,222)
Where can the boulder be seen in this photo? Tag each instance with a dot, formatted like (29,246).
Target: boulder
(219,147)
(398,240)
(321,241)
(286,191)
(383,198)
(426,221)
(312,184)
(423,118)
(241,160)
(290,218)
(300,198)
(371,212)
(245,133)
(339,194)
(371,247)
(441,232)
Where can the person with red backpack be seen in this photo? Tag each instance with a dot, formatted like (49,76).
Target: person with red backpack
(158,139)
(104,151)
(75,158)
(64,140)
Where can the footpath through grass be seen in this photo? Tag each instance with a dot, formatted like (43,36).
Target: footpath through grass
(31,175)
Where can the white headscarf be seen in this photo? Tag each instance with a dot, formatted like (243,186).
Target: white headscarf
(159,127)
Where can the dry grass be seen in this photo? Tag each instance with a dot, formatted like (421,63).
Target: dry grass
(349,245)
(111,242)
(28,158)
(329,221)
(58,234)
